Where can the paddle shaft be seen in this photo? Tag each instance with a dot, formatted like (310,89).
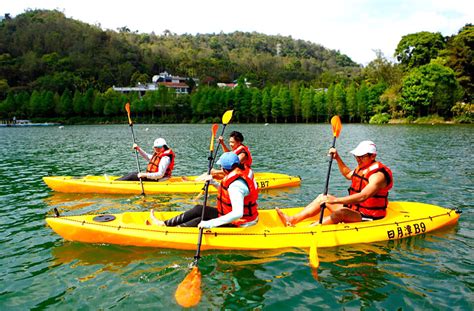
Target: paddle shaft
(136,158)
(206,192)
(326,187)
(212,158)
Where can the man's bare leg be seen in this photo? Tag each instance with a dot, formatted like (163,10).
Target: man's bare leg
(312,209)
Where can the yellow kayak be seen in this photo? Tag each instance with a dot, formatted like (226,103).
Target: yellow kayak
(404,219)
(185,184)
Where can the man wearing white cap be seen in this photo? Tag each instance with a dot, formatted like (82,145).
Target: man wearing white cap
(368,194)
(160,163)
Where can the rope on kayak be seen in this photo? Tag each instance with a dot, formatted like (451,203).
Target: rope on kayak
(265,233)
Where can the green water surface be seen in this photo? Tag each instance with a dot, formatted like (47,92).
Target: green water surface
(39,270)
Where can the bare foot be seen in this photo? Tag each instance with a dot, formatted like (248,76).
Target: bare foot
(285,219)
(154,220)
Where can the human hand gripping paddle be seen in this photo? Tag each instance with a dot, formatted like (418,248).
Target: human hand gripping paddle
(336,130)
(127,108)
(188,293)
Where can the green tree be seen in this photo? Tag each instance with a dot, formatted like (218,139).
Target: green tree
(320,105)
(331,105)
(307,104)
(34,107)
(88,101)
(430,89)
(7,107)
(266,104)
(98,105)
(340,100)
(286,103)
(64,107)
(351,99)
(459,55)
(363,102)
(256,104)
(78,103)
(381,70)
(4,87)
(374,104)
(276,103)
(419,48)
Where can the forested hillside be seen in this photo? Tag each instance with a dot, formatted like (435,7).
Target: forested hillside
(58,68)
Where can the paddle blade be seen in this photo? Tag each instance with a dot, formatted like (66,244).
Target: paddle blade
(127,108)
(227,116)
(313,253)
(214,131)
(336,126)
(188,293)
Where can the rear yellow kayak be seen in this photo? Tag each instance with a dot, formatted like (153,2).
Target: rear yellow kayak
(404,219)
(185,184)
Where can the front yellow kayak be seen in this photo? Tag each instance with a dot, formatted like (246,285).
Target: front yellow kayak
(404,219)
(185,184)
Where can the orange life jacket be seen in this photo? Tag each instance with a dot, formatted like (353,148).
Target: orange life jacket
(224,205)
(374,207)
(155,162)
(244,149)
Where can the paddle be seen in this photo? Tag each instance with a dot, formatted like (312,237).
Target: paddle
(188,293)
(313,249)
(336,130)
(127,108)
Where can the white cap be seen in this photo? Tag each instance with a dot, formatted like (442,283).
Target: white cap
(366,146)
(159,142)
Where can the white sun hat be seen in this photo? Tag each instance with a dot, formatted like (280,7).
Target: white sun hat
(364,147)
(159,142)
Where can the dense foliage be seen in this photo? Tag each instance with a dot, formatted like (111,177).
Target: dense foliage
(54,67)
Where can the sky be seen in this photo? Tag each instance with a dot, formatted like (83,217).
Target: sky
(353,27)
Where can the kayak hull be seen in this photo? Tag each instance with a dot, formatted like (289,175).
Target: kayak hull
(186,184)
(404,219)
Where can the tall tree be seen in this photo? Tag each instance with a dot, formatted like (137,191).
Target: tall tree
(460,55)
(266,104)
(256,104)
(363,102)
(340,100)
(351,99)
(430,89)
(419,48)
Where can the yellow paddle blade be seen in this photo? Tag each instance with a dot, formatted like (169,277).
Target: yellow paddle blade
(214,131)
(188,293)
(336,125)
(313,253)
(127,108)
(227,116)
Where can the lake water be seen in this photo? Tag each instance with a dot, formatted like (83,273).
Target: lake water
(39,270)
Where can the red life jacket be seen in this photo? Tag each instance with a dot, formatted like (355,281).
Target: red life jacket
(374,207)
(244,149)
(155,162)
(224,205)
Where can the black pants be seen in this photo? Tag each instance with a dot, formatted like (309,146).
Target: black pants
(192,217)
(133,176)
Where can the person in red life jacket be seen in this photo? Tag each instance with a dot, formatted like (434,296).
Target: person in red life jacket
(236,140)
(160,163)
(368,193)
(236,200)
